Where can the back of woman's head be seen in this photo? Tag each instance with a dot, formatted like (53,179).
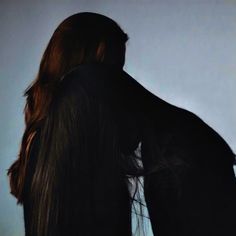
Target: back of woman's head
(81,38)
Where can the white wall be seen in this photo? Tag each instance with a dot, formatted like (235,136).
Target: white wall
(183,51)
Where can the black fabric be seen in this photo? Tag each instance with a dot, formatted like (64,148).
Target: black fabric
(98,117)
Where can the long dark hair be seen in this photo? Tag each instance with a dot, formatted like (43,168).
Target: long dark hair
(81,38)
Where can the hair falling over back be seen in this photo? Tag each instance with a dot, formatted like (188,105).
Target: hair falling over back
(80,38)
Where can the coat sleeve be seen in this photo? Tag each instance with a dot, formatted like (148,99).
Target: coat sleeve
(74,184)
(191,189)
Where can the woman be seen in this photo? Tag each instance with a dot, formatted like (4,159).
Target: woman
(85,120)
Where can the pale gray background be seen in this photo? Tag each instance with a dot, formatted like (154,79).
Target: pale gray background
(183,51)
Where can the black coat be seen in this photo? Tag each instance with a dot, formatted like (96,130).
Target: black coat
(83,154)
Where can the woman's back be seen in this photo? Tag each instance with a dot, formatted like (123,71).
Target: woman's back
(78,147)
(101,114)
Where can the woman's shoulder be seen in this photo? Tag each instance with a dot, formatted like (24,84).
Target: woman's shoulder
(195,132)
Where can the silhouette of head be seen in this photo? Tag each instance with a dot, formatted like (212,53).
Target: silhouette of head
(83,38)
